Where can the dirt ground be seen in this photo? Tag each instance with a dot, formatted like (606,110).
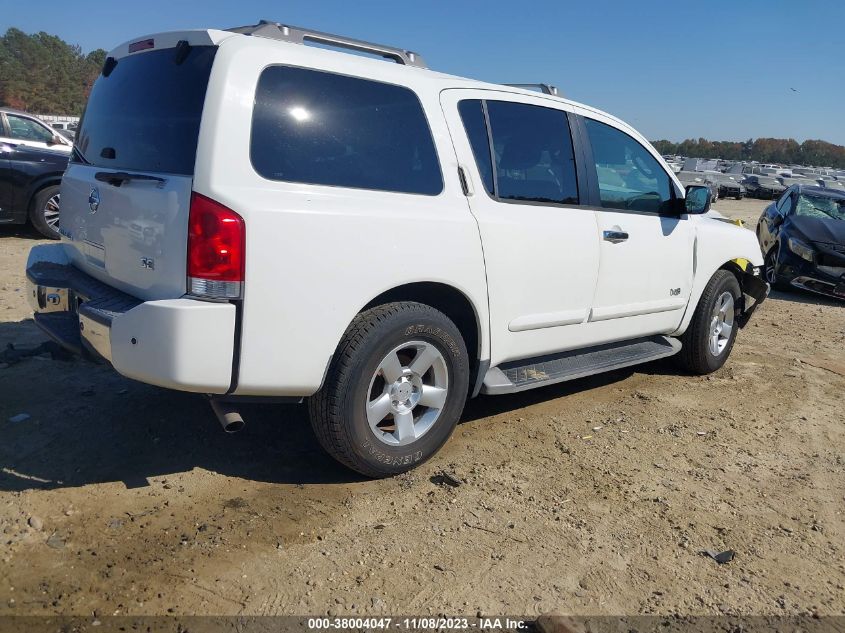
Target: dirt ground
(591,497)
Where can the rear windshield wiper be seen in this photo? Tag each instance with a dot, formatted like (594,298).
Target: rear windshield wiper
(117,178)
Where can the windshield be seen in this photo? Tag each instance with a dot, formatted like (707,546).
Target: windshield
(820,207)
(763,180)
(145,114)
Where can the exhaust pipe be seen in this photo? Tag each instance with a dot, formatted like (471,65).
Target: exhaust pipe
(227,415)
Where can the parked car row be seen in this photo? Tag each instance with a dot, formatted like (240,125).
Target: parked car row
(767,187)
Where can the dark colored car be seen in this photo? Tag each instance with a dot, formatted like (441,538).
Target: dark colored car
(802,237)
(699,178)
(728,187)
(763,186)
(29,186)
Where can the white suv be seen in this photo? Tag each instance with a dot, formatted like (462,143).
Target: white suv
(246,216)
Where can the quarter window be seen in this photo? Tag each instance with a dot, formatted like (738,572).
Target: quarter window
(629,176)
(472,114)
(327,129)
(25,129)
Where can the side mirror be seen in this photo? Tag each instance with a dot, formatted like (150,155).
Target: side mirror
(697,199)
(56,140)
(777,220)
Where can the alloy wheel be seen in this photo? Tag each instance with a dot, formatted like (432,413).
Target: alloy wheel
(51,211)
(721,323)
(407,393)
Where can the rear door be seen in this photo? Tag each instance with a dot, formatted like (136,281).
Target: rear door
(647,248)
(127,191)
(540,247)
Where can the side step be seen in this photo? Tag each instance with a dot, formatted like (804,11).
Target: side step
(530,373)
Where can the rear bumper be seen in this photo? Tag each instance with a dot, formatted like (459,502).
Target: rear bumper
(182,344)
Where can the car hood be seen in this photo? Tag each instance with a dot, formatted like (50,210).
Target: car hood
(820,230)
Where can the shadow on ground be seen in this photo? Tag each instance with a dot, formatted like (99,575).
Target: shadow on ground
(88,425)
(24,231)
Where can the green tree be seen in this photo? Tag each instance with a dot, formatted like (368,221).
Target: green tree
(43,73)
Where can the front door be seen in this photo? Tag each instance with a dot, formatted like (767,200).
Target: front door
(23,130)
(540,247)
(647,248)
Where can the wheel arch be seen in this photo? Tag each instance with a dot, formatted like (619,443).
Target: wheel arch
(754,290)
(36,187)
(749,283)
(452,302)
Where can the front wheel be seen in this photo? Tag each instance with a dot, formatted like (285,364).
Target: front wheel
(708,341)
(395,389)
(44,212)
(770,268)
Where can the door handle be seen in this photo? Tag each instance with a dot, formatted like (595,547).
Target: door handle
(614,237)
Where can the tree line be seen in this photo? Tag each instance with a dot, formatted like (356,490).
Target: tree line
(42,73)
(786,151)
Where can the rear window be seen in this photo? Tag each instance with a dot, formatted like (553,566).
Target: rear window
(145,115)
(326,129)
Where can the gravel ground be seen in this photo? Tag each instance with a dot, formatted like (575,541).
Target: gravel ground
(591,497)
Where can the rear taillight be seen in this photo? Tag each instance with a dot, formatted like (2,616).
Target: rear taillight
(216,250)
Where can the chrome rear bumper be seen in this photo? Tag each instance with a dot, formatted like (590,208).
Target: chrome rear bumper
(74,309)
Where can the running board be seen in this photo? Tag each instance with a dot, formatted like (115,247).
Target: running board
(530,373)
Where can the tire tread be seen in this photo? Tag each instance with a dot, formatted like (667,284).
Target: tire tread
(693,355)
(325,408)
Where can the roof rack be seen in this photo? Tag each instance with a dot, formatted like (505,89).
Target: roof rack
(299,35)
(546,89)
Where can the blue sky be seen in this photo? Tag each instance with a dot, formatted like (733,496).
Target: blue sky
(721,69)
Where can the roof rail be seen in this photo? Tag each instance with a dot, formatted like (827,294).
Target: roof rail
(546,89)
(299,35)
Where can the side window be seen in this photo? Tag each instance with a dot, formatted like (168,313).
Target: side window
(25,129)
(533,153)
(784,205)
(326,129)
(472,115)
(629,176)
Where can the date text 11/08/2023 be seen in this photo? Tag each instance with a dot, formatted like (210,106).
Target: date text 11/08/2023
(418,623)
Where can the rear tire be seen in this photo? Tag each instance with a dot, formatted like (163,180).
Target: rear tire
(394,391)
(710,337)
(44,212)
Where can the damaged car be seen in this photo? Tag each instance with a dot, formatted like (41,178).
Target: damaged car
(803,238)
